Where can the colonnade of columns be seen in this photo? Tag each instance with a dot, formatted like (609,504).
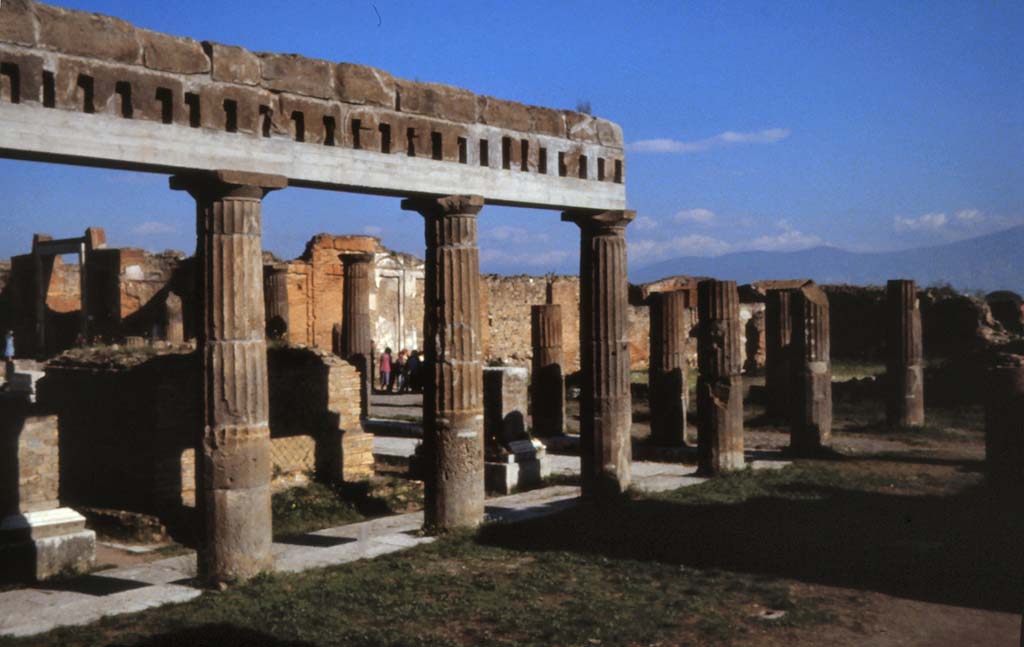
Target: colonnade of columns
(233,446)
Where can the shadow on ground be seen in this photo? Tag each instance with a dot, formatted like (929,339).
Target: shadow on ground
(962,549)
(214,635)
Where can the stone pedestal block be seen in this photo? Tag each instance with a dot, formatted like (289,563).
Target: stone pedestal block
(453,440)
(905,356)
(811,395)
(42,544)
(505,404)
(720,384)
(233,446)
(547,384)
(1004,433)
(778,376)
(605,401)
(526,466)
(669,325)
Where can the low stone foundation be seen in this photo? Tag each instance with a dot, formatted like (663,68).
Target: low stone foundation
(128,423)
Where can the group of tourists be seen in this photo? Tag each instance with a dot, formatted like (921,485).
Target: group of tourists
(401,372)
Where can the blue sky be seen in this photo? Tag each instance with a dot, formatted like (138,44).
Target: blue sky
(865,125)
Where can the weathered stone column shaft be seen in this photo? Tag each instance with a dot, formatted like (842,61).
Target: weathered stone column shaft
(669,330)
(719,384)
(606,405)
(547,386)
(1004,434)
(233,450)
(778,338)
(811,419)
(355,321)
(905,359)
(453,440)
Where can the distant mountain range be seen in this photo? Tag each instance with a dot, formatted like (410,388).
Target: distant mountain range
(990,262)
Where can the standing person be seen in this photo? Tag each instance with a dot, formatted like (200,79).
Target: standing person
(399,369)
(385,369)
(412,369)
(9,354)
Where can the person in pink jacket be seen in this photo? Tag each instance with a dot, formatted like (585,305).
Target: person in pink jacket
(385,369)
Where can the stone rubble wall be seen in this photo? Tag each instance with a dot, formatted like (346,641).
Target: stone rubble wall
(86,62)
(128,424)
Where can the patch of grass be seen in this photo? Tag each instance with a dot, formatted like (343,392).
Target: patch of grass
(846,369)
(316,506)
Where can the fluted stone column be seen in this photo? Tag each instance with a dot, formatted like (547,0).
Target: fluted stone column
(275,288)
(547,386)
(174,321)
(811,420)
(233,447)
(355,320)
(667,373)
(778,330)
(719,382)
(905,361)
(605,403)
(1004,434)
(453,441)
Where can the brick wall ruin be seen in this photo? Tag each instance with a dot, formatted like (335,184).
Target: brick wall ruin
(128,423)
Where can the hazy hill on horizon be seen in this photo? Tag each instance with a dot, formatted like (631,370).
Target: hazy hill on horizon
(984,263)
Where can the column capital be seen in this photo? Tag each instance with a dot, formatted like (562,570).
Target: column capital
(227,184)
(451,205)
(353,257)
(601,222)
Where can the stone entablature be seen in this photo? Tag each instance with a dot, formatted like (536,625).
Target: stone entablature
(88,63)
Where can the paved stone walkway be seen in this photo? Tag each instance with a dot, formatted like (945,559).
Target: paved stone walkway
(129,589)
(25,612)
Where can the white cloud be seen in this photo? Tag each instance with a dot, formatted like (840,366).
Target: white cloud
(787,239)
(373,230)
(690,245)
(970,217)
(644,223)
(927,222)
(513,234)
(696,216)
(545,259)
(721,140)
(153,228)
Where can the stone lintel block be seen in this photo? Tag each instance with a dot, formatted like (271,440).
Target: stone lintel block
(436,100)
(232,64)
(17,22)
(69,96)
(592,130)
(88,34)
(237,457)
(547,121)
(362,84)
(30,73)
(503,114)
(168,53)
(214,115)
(311,77)
(313,112)
(41,559)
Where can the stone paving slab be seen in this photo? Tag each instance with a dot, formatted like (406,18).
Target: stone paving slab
(129,589)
